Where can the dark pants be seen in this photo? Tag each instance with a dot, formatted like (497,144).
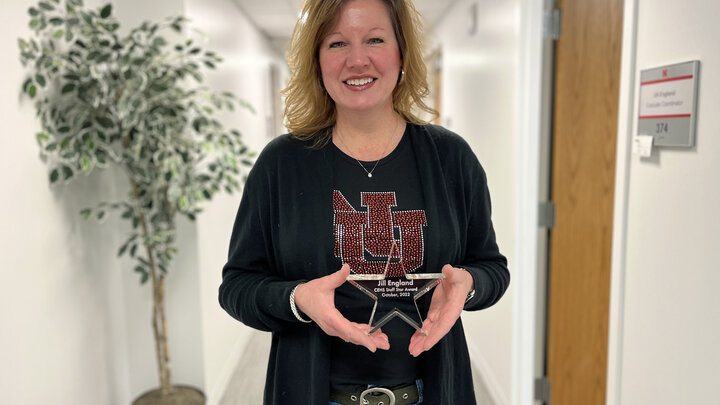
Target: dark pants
(419,387)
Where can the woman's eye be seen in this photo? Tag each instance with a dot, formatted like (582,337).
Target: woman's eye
(376,41)
(336,44)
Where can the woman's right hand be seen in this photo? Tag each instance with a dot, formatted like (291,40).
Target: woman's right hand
(316,299)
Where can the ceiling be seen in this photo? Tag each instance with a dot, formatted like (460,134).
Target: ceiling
(276,18)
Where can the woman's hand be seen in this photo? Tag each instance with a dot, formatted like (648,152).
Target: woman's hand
(316,299)
(447,303)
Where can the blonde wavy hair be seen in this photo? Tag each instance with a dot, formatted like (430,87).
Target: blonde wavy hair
(309,110)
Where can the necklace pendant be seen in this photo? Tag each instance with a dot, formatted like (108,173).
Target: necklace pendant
(369,174)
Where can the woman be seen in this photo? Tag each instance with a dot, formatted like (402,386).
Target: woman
(360,175)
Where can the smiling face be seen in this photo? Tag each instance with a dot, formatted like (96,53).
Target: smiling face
(360,59)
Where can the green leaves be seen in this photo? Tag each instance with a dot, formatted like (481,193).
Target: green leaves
(104,121)
(144,274)
(104,98)
(26,84)
(199,123)
(106,11)
(183,203)
(86,163)
(67,172)
(67,88)
(46,6)
(131,242)
(159,42)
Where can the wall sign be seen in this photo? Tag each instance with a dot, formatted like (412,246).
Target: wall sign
(668,104)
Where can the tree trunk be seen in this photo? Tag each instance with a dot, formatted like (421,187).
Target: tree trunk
(159,323)
(160,331)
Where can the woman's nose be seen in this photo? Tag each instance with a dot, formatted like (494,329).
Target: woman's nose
(358,57)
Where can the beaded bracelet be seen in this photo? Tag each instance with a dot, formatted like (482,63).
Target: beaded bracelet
(293,307)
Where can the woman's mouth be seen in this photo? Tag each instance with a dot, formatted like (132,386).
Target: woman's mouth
(359,82)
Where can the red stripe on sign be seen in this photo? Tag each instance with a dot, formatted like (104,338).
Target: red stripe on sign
(645,117)
(669,79)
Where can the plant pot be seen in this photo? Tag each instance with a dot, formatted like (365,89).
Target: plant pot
(178,395)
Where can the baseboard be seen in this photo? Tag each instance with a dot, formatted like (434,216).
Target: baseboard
(218,389)
(480,366)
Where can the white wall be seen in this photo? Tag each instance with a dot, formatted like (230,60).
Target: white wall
(670,333)
(57,306)
(479,81)
(75,323)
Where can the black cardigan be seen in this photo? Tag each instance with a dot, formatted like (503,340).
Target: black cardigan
(283,235)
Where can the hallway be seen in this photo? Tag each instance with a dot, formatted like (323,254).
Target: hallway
(76,319)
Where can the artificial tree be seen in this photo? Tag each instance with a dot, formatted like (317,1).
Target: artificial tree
(136,102)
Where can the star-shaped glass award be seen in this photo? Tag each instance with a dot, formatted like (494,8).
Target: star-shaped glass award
(409,286)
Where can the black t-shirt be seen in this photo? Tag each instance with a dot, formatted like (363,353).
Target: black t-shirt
(369,213)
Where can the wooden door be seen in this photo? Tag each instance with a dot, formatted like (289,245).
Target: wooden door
(587,75)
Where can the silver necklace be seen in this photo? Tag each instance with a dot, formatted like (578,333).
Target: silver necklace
(369,173)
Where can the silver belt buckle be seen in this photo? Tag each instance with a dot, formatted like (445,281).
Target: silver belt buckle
(385,391)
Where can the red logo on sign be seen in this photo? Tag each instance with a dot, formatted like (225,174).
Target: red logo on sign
(664,72)
(372,233)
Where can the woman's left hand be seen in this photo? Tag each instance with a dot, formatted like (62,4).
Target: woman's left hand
(447,303)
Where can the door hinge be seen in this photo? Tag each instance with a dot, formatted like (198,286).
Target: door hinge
(542,390)
(546,215)
(552,24)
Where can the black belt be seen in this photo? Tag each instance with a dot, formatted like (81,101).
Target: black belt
(377,396)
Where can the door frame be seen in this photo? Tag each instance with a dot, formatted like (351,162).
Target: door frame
(626,102)
(527,163)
